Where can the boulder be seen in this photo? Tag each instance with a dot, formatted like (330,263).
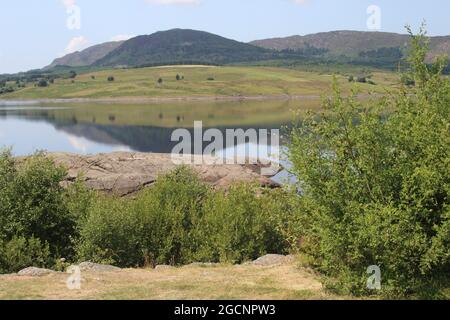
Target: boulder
(35,272)
(95,267)
(164,267)
(272,260)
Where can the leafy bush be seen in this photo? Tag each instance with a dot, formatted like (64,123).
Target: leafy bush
(240,225)
(376,184)
(180,220)
(152,229)
(20,253)
(42,83)
(35,208)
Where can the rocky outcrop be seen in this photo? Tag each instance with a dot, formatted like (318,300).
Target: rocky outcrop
(125,173)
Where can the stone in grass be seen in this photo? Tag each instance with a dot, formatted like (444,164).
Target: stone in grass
(95,267)
(35,272)
(203,265)
(272,260)
(164,267)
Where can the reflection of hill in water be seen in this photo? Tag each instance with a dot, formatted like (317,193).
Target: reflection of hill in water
(144,138)
(139,138)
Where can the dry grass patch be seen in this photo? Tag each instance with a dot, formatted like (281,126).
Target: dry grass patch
(190,282)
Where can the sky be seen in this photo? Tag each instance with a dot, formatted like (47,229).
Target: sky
(36,32)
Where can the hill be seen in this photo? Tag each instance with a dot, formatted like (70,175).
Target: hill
(235,82)
(87,56)
(181,46)
(353,43)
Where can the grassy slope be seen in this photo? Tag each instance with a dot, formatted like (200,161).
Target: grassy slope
(229,81)
(190,282)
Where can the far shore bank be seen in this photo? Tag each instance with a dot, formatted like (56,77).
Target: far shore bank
(144,100)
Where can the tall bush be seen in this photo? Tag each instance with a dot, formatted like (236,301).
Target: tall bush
(375,180)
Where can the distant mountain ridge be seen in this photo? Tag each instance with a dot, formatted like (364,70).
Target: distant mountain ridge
(86,57)
(351,43)
(184,46)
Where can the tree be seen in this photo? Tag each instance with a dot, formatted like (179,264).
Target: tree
(178,77)
(111,78)
(42,83)
(375,184)
(160,80)
(72,74)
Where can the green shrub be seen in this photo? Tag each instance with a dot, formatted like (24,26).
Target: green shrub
(152,229)
(42,83)
(181,220)
(20,253)
(34,205)
(376,184)
(239,225)
(110,233)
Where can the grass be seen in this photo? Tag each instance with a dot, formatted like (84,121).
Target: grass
(191,282)
(228,81)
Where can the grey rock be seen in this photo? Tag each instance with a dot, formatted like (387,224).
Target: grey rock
(35,272)
(203,264)
(272,260)
(164,267)
(95,267)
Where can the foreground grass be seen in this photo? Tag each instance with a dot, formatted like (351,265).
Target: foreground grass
(199,81)
(190,282)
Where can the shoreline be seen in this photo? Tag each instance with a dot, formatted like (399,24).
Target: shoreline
(143,100)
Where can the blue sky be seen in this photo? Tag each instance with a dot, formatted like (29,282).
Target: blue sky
(36,32)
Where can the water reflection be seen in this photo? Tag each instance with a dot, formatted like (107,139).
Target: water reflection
(96,128)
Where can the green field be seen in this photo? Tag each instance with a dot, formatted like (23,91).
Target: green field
(197,81)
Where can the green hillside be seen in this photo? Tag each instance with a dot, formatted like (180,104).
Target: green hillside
(181,46)
(196,81)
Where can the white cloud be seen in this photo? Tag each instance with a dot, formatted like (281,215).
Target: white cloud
(68,3)
(174,2)
(122,37)
(76,44)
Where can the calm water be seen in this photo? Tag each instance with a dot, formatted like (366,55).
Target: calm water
(102,128)
(99,128)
